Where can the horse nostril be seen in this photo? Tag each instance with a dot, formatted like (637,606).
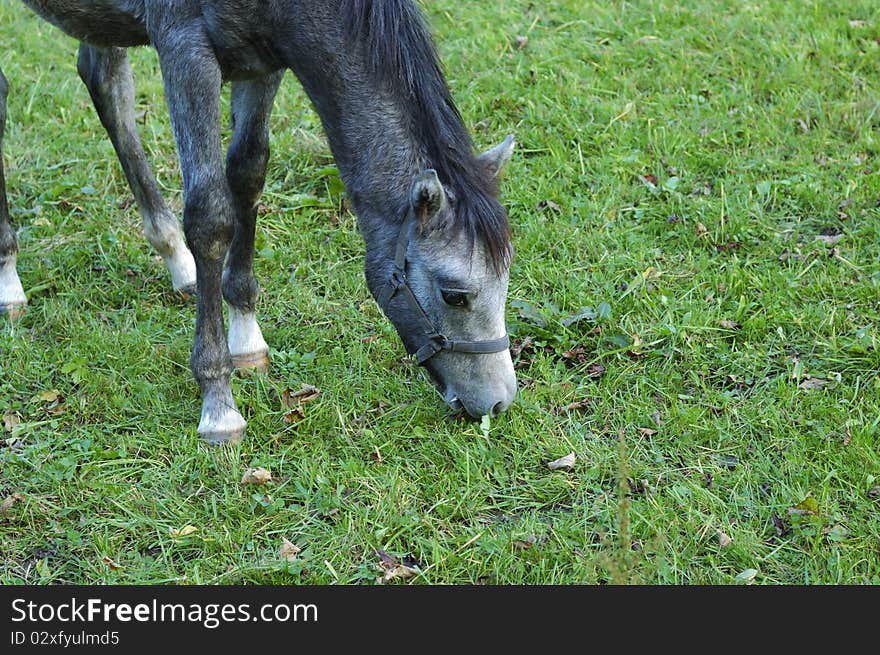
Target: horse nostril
(497,409)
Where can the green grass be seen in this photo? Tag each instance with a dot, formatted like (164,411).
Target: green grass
(676,163)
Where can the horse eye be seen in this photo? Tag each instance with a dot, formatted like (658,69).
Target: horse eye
(455,298)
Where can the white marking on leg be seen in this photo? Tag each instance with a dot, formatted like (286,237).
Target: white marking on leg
(246,343)
(166,236)
(221,422)
(12,298)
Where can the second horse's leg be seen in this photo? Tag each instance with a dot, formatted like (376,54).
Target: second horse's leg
(107,74)
(12,298)
(246,173)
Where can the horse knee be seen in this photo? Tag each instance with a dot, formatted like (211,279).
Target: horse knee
(208,222)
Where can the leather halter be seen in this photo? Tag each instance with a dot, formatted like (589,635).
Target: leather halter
(430,341)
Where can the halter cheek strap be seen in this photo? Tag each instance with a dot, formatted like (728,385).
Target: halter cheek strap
(430,341)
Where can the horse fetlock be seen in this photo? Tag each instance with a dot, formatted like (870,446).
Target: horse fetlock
(220,421)
(12,298)
(166,236)
(246,343)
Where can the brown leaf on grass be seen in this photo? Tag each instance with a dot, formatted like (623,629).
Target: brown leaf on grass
(10,501)
(646,432)
(847,435)
(701,230)
(855,23)
(185,531)
(651,179)
(566,462)
(637,486)
(576,406)
(256,475)
(519,345)
(289,550)
(10,420)
(306,394)
(874,492)
(294,415)
(575,355)
(729,325)
(393,567)
(548,204)
(723,539)
(113,566)
(525,544)
(595,371)
(520,41)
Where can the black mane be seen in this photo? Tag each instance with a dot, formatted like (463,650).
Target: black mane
(401,53)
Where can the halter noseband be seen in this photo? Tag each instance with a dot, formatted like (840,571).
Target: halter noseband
(432,341)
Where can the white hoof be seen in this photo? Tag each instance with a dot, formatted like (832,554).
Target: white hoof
(221,424)
(246,344)
(12,298)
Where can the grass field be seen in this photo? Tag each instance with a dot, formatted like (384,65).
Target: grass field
(696,295)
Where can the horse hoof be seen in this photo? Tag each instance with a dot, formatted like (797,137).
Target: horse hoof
(222,438)
(16,310)
(225,426)
(257,362)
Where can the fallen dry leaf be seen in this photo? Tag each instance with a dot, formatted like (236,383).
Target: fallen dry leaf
(729,325)
(306,394)
(10,501)
(646,432)
(576,406)
(566,462)
(10,420)
(701,230)
(525,544)
(289,550)
(856,23)
(595,371)
(113,566)
(294,415)
(521,42)
(256,475)
(183,532)
(723,539)
(548,204)
(393,567)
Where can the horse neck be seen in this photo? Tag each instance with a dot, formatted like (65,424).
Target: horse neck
(377,150)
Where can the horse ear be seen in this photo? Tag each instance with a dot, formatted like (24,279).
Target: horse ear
(428,198)
(495,158)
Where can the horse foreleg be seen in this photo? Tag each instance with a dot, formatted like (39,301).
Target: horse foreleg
(12,298)
(246,162)
(107,74)
(192,91)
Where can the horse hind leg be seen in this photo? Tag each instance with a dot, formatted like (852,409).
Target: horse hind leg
(12,298)
(107,74)
(246,162)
